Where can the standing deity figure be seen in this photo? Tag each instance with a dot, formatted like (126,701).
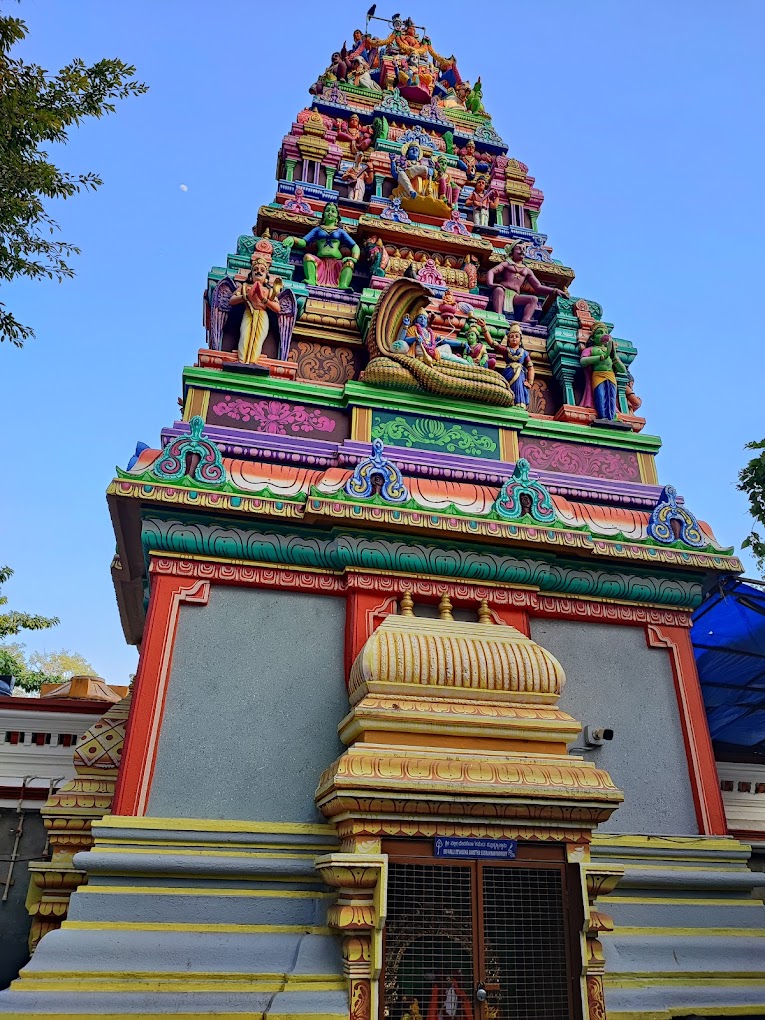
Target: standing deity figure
(509,278)
(601,361)
(409,169)
(482,199)
(518,369)
(470,269)
(358,176)
(258,297)
(328,267)
(448,1001)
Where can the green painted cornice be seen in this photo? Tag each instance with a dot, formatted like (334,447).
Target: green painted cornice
(263,386)
(356,394)
(338,549)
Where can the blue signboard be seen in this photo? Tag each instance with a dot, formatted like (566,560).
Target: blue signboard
(475,849)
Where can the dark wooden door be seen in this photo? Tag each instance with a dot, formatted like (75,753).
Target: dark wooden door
(457,930)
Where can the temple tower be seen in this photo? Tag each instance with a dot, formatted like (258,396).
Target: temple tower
(409,496)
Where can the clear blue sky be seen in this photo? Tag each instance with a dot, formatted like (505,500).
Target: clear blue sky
(641,121)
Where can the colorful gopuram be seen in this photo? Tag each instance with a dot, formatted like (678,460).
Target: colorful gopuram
(410,497)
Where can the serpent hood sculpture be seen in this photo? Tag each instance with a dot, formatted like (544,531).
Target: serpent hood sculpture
(405,354)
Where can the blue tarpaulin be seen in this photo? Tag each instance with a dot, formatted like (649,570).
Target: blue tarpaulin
(728,638)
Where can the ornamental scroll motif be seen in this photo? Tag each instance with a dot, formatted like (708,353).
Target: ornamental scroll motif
(275,417)
(322,363)
(435,434)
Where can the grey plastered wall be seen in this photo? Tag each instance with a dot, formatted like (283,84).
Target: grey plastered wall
(15,921)
(255,696)
(614,679)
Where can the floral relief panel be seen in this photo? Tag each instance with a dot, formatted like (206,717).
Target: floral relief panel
(276,417)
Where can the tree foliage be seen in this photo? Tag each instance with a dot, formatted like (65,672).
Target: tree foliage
(13,622)
(39,667)
(751,480)
(38,108)
(32,671)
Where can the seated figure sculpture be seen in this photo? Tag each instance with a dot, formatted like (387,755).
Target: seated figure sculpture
(508,279)
(328,267)
(412,171)
(419,339)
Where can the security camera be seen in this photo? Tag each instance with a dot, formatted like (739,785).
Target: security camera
(596,737)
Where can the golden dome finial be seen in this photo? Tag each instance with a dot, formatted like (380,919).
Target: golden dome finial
(445,608)
(484,613)
(407,604)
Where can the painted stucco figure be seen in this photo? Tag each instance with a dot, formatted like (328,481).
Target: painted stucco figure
(358,176)
(509,278)
(328,267)
(416,337)
(406,354)
(482,200)
(477,342)
(258,297)
(601,361)
(357,135)
(518,369)
(412,171)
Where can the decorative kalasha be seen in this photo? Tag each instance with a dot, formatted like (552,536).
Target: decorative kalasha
(672,523)
(377,474)
(508,279)
(191,455)
(522,496)
(452,340)
(601,361)
(328,267)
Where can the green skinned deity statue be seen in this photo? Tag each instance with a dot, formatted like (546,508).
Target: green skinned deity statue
(328,267)
(601,361)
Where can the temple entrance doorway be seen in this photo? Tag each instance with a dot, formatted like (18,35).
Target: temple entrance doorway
(478,940)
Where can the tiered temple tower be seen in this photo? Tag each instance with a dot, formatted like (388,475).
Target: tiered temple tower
(410,494)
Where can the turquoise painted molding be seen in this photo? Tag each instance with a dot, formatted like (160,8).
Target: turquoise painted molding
(337,550)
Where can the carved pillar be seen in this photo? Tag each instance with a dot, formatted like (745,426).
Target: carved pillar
(359,915)
(599,881)
(289,171)
(69,814)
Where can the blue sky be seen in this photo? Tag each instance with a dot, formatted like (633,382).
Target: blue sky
(640,121)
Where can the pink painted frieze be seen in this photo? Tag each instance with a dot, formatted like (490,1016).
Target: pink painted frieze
(275,417)
(578,459)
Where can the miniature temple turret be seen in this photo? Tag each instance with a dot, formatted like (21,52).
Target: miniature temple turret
(408,494)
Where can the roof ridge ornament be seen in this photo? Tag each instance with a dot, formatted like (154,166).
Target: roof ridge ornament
(664,513)
(523,496)
(377,466)
(178,458)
